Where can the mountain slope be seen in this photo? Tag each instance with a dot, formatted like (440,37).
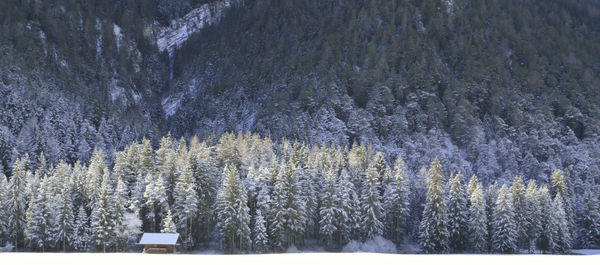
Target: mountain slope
(496,88)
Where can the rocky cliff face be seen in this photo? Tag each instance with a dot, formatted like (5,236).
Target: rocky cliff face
(172,36)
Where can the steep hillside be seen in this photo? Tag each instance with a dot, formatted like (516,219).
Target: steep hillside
(496,88)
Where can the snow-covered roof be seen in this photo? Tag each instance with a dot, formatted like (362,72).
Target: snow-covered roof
(159,239)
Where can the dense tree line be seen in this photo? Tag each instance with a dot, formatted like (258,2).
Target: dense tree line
(245,193)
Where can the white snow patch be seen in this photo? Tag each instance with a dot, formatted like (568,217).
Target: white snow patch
(292,249)
(116,92)
(43,38)
(7,248)
(288,259)
(375,245)
(171,37)
(171,103)
(118,35)
(449,6)
(586,251)
(136,97)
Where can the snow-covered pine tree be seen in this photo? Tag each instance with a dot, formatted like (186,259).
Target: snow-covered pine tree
(186,204)
(259,230)
(310,196)
(472,185)
(81,231)
(233,217)
(263,200)
(119,199)
(561,183)
(519,206)
(457,214)
(3,206)
(289,212)
(378,163)
(348,216)
(490,200)
(372,214)
(478,233)
(207,180)
(17,199)
(168,225)
(165,165)
(38,223)
(418,197)
(532,218)
(505,231)
(433,229)
(95,173)
(277,227)
(145,158)
(590,219)
(102,217)
(563,239)
(328,212)
(396,202)
(548,225)
(155,200)
(64,217)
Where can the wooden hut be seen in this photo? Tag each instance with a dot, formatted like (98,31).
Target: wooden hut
(160,242)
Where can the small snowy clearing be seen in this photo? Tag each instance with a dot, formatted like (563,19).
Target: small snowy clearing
(586,252)
(293,258)
(376,245)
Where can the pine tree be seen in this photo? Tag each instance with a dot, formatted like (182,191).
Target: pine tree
(165,165)
(590,221)
(372,214)
(186,203)
(119,200)
(347,207)
(477,219)
(288,210)
(490,200)
(328,211)
(472,185)
(505,231)
(64,217)
(457,214)
(17,198)
(96,171)
(396,202)
(261,239)
(207,180)
(519,206)
(546,241)
(103,216)
(233,217)
(155,199)
(563,239)
(38,222)
(81,231)
(433,229)
(168,225)
(533,217)
(3,206)
(561,183)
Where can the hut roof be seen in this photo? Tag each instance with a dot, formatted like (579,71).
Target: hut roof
(160,239)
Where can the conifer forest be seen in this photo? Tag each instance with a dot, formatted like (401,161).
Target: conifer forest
(275,126)
(248,194)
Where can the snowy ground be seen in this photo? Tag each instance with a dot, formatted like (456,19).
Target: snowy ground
(292,258)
